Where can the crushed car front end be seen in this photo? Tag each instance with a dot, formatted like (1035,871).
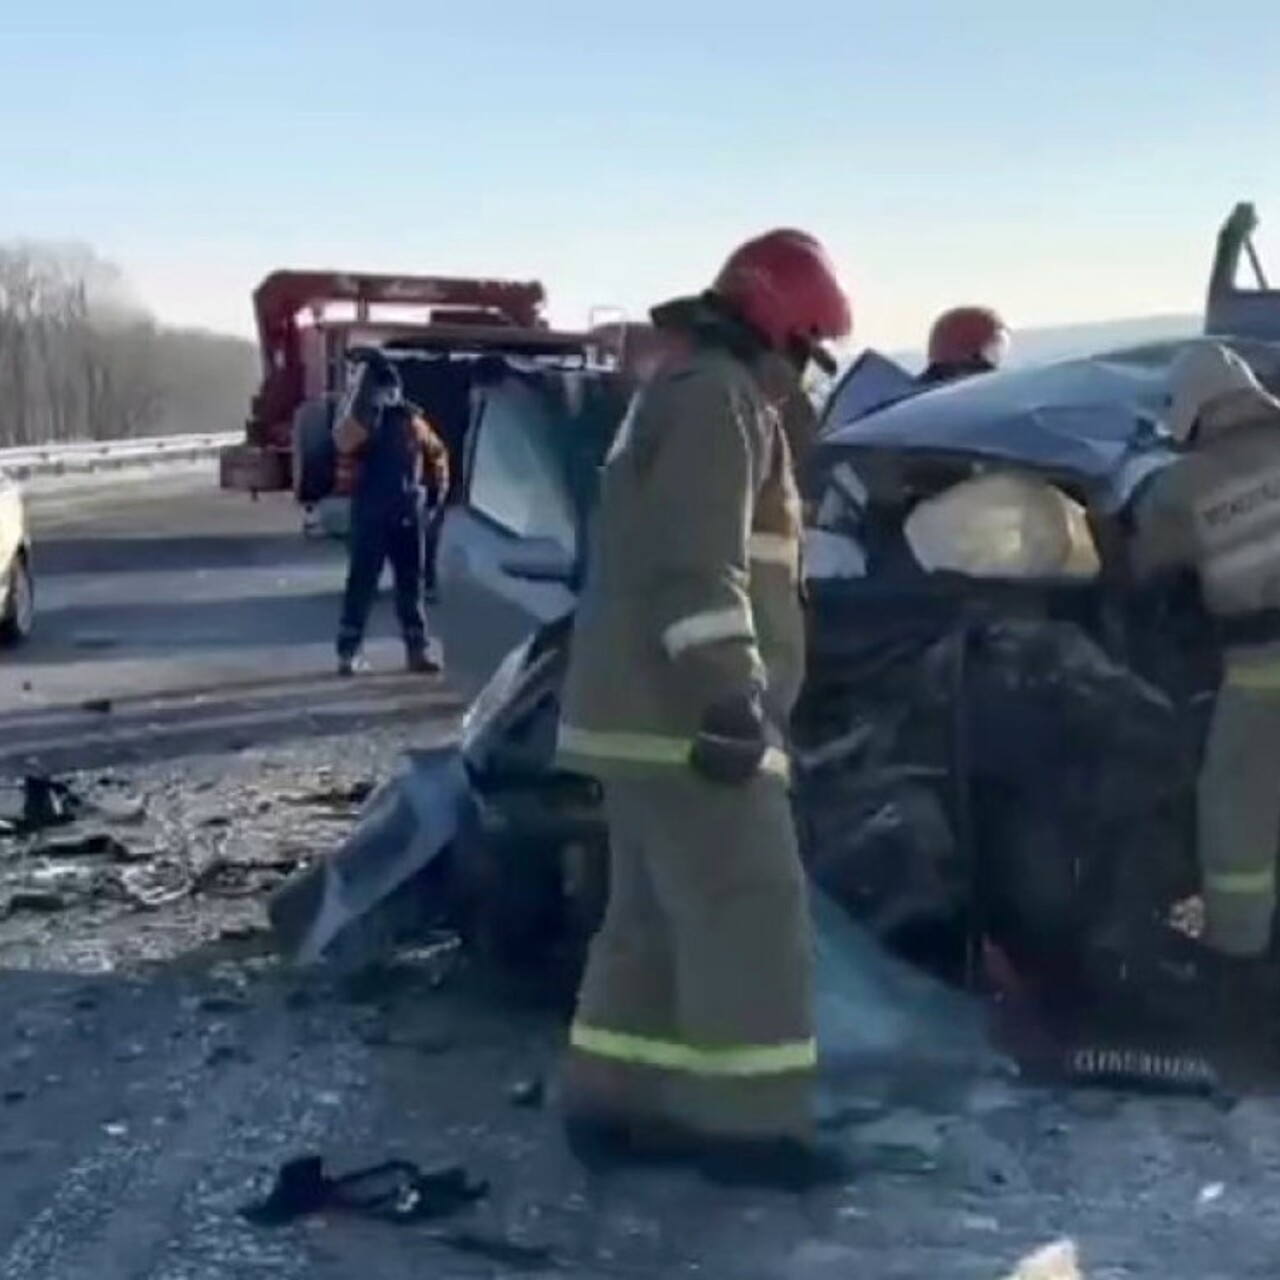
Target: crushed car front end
(1000,734)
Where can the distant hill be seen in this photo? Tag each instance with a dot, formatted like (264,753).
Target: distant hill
(1061,342)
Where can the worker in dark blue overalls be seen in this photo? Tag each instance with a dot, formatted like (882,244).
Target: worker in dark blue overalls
(399,455)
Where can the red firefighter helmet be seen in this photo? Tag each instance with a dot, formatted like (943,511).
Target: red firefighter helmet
(968,336)
(784,285)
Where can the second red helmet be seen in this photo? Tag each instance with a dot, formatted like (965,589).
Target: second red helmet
(968,335)
(785,286)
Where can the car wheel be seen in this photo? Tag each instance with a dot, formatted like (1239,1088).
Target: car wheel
(20,603)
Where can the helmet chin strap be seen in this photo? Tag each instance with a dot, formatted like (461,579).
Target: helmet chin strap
(806,351)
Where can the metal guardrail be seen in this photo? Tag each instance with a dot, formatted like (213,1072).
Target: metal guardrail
(102,455)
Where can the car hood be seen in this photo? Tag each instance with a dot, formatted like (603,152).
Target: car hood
(1095,419)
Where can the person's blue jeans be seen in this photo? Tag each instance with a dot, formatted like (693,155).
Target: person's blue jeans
(376,537)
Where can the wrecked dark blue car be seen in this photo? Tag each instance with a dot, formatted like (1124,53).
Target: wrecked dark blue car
(997,740)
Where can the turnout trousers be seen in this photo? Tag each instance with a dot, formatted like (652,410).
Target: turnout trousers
(696,1004)
(394,534)
(1239,804)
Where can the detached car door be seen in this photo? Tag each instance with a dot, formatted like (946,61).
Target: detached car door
(508,548)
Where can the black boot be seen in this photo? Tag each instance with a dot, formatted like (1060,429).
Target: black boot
(603,1144)
(778,1164)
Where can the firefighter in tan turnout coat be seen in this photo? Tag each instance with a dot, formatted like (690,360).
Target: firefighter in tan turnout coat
(1217,511)
(693,1037)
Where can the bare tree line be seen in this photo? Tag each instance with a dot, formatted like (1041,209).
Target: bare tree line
(79,359)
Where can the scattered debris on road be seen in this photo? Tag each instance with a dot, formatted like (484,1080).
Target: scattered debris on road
(530,1094)
(194,846)
(343,799)
(420,1058)
(396,1191)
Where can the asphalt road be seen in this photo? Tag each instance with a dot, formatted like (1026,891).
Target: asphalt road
(157,1064)
(201,617)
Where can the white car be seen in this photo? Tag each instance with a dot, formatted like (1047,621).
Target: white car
(17,590)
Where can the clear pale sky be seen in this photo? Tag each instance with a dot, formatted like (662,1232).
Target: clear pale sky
(1069,162)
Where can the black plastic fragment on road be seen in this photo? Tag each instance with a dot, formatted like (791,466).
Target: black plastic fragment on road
(528,1094)
(97,844)
(241,877)
(348,797)
(50,804)
(396,1191)
(34,902)
(222,1002)
(46,803)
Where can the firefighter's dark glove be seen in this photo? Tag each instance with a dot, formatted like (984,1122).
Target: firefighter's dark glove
(732,740)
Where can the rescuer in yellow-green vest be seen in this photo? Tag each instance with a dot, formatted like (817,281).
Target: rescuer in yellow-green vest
(1216,511)
(693,1038)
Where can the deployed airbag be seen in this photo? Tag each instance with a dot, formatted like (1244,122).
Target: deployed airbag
(1002,526)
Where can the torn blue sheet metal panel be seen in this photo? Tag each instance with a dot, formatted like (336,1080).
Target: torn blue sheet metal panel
(347,908)
(868,385)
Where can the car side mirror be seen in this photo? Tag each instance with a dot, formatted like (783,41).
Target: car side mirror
(541,561)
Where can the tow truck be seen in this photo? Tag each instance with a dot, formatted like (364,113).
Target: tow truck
(443,334)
